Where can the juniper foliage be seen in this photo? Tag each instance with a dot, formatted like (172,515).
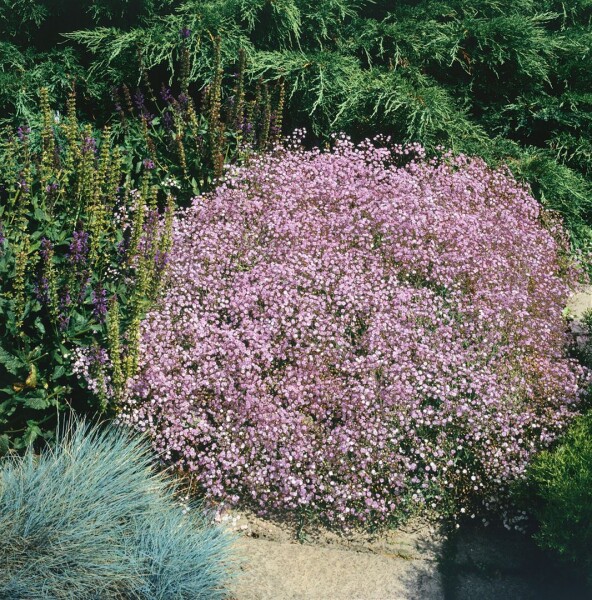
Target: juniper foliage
(507,80)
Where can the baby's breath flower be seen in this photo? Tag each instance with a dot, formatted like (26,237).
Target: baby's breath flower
(355,337)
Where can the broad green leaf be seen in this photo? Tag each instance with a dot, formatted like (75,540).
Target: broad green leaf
(37,402)
(32,433)
(58,372)
(40,214)
(39,326)
(10,362)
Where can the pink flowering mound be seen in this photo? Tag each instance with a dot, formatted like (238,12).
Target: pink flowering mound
(355,339)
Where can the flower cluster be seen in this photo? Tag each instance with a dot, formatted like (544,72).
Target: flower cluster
(90,365)
(360,333)
(78,251)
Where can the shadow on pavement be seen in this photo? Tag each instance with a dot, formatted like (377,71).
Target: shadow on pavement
(495,564)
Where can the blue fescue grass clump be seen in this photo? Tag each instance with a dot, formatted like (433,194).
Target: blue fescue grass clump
(92,518)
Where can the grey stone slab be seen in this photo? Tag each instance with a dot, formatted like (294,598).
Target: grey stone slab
(291,571)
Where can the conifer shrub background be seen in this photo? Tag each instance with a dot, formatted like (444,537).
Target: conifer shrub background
(507,81)
(359,334)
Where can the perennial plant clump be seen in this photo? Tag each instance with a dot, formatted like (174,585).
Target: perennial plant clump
(359,333)
(84,240)
(92,518)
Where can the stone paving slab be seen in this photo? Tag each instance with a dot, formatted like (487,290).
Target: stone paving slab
(416,562)
(397,564)
(280,570)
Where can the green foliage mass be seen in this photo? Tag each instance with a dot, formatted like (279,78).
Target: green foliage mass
(558,489)
(74,215)
(561,484)
(33,55)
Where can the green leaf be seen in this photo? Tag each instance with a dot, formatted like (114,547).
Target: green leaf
(11,363)
(78,319)
(4,444)
(7,409)
(39,326)
(40,214)
(32,433)
(37,402)
(58,372)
